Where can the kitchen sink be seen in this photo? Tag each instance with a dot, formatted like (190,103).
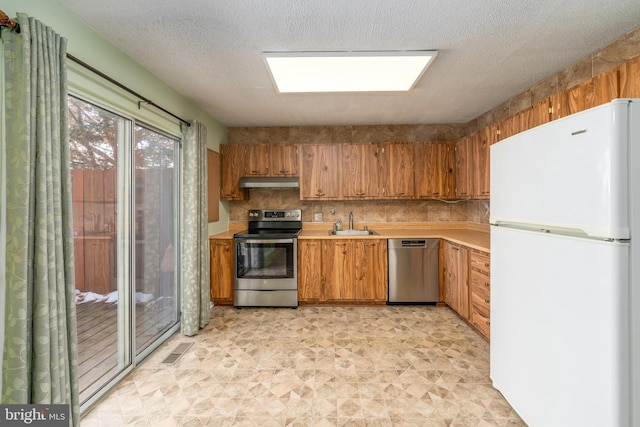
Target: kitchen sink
(353,233)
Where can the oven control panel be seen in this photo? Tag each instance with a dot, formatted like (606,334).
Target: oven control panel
(275,215)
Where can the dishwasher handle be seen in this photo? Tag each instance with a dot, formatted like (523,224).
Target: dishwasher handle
(414,243)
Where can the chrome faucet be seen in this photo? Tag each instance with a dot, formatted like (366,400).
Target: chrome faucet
(350,220)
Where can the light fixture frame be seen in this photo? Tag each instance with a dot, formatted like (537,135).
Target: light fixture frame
(430,55)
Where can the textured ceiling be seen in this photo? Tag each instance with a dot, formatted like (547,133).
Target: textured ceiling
(489,50)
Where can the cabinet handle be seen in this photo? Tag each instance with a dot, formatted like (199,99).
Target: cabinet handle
(433,193)
(486,264)
(370,244)
(486,284)
(284,171)
(486,300)
(455,248)
(400,194)
(488,322)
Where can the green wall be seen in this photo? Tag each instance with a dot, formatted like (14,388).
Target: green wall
(87,45)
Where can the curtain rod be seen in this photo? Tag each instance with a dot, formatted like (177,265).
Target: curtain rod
(6,22)
(121,86)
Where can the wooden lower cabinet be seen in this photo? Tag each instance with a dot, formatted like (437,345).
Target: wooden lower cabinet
(371,270)
(455,275)
(350,270)
(310,277)
(221,262)
(467,285)
(480,283)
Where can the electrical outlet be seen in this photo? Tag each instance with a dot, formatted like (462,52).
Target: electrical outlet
(317,217)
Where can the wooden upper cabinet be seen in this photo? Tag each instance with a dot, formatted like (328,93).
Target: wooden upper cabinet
(283,160)
(320,166)
(481,145)
(360,171)
(593,92)
(433,170)
(606,87)
(257,160)
(505,128)
(464,167)
(396,166)
(629,75)
(231,169)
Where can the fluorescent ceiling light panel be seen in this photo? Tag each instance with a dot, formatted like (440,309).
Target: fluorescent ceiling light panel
(393,71)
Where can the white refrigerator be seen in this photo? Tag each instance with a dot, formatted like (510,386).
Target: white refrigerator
(565,275)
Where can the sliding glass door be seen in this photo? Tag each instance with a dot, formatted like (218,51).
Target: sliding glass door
(155,230)
(125,220)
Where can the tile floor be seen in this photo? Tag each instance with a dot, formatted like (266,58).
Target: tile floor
(316,366)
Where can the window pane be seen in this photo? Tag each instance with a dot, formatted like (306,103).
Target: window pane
(97,136)
(155,224)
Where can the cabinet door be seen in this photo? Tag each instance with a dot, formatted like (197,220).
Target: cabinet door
(605,87)
(257,160)
(337,269)
(590,93)
(231,169)
(284,160)
(456,288)
(505,128)
(309,270)
(359,173)
(481,166)
(396,170)
(479,306)
(630,78)
(464,167)
(221,267)
(433,170)
(371,278)
(320,172)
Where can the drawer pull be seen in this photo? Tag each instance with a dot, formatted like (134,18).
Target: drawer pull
(486,300)
(486,284)
(486,264)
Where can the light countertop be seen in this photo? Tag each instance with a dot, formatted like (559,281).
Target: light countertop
(475,236)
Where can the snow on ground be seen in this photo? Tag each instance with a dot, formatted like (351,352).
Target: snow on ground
(111,298)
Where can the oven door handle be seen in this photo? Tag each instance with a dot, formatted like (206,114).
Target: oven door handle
(265,241)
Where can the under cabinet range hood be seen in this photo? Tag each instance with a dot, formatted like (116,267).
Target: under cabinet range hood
(269,182)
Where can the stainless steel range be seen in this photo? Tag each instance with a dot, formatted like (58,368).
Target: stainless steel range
(266,270)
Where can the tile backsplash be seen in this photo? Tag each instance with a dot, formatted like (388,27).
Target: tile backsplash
(368,212)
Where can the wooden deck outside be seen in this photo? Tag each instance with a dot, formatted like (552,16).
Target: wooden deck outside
(98,338)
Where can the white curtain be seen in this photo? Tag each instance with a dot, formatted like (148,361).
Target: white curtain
(194,257)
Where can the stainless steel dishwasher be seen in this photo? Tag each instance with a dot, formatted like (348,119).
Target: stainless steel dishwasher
(414,271)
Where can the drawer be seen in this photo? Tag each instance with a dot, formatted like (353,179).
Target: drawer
(480,284)
(480,317)
(480,261)
(481,299)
